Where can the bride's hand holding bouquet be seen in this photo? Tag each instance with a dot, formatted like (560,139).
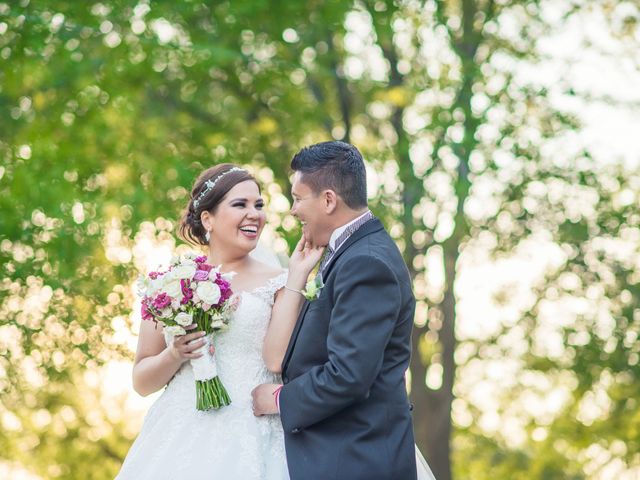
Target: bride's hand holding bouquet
(187,347)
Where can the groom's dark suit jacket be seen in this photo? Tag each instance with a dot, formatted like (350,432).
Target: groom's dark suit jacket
(344,405)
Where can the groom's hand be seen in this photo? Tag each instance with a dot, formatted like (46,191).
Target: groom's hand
(264,399)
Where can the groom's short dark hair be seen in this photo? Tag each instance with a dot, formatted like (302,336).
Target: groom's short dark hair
(336,166)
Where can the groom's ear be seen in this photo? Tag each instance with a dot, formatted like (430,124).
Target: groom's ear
(330,201)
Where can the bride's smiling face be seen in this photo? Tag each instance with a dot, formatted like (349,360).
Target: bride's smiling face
(239,218)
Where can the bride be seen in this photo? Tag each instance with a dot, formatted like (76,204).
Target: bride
(225,214)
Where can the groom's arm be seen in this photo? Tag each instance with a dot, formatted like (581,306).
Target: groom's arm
(363,318)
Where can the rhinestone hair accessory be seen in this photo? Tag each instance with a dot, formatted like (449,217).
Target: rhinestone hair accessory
(210,184)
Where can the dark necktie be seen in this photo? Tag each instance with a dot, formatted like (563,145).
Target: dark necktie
(328,253)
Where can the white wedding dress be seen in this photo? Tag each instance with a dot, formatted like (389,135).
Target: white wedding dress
(179,442)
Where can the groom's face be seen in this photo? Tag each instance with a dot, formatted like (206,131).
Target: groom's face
(309,208)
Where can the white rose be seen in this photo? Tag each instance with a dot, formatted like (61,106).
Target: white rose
(152,286)
(208,292)
(172,287)
(174,330)
(219,320)
(217,324)
(183,271)
(184,319)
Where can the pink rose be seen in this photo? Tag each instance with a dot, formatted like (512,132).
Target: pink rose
(187,293)
(146,314)
(205,267)
(162,301)
(201,275)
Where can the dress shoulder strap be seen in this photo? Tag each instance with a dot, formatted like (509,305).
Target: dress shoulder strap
(268,291)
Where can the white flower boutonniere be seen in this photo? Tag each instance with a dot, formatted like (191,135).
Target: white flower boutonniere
(313,288)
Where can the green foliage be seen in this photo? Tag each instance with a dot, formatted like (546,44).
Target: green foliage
(109,110)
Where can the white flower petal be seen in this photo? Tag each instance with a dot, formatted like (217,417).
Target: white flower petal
(184,319)
(175,330)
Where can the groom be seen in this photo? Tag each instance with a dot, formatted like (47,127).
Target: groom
(344,405)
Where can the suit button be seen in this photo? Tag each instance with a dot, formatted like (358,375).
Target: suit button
(411,407)
(295,430)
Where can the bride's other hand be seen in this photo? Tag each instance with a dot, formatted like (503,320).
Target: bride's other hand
(302,261)
(184,347)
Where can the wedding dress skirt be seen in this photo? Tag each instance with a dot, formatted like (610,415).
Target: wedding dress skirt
(424,472)
(179,442)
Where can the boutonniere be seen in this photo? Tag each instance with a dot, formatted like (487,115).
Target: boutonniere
(313,288)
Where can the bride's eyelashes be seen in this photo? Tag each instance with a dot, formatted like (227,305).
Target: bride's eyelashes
(242,204)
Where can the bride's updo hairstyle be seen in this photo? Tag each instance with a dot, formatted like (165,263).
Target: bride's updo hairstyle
(208,191)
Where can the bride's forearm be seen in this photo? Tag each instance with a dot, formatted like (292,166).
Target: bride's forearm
(283,319)
(152,373)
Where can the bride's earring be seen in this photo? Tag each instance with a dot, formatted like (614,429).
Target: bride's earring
(207,236)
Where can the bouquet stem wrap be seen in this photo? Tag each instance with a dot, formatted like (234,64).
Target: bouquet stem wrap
(210,392)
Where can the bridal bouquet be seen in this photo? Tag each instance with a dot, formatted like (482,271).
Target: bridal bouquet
(192,291)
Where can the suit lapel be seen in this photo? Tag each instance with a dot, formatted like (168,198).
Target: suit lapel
(371,226)
(294,335)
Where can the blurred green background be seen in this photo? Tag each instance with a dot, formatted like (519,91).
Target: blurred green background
(502,156)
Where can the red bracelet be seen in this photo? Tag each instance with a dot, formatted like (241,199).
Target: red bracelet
(276,392)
